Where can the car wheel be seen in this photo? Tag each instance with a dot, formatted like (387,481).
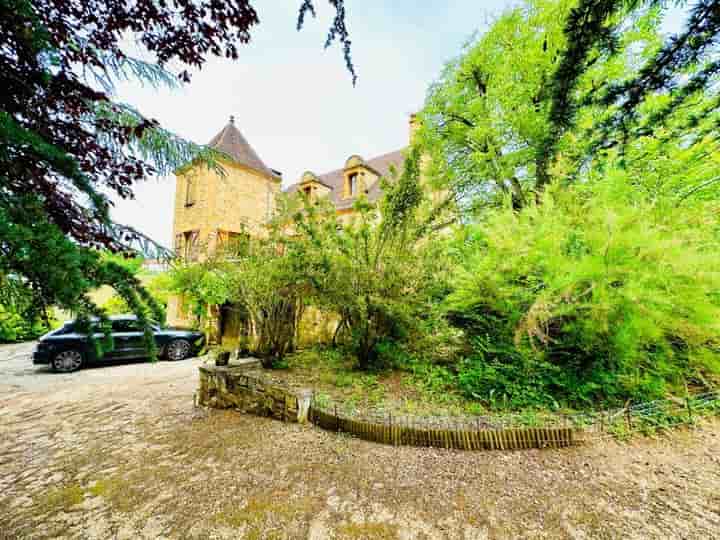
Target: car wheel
(178,349)
(67,361)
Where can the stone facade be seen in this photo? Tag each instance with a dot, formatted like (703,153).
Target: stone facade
(224,210)
(239,202)
(213,210)
(316,327)
(249,390)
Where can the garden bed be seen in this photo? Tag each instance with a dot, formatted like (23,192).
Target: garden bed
(333,377)
(422,398)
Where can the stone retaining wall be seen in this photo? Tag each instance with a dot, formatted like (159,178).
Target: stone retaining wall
(245,389)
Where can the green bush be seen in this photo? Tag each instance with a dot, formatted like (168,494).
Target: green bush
(158,285)
(513,382)
(599,294)
(20,320)
(379,272)
(15,327)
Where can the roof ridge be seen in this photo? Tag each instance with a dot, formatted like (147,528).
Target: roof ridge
(232,142)
(366,161)
(334,179)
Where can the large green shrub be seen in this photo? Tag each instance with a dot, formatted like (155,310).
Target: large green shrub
(16,327)
(583,145)
(600,293)
(260,280)
(381,272)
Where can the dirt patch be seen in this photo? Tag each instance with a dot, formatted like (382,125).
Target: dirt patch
(332,376)
(132,458)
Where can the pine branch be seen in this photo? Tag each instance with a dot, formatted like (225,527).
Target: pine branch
(114,67)
(699,39)
(585,28)
(153,144)
(682,51)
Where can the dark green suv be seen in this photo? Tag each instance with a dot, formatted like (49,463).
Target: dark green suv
(67,349)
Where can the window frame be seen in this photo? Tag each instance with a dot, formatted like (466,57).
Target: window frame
(133,326)
(353,183)
(190,192)
(190,244)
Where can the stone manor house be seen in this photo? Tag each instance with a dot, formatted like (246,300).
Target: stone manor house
(212,211)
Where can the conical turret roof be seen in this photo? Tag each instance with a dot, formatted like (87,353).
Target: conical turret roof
(232,142)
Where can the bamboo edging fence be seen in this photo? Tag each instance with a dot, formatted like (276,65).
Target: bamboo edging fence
(464,434)
(458,439)
(490,433)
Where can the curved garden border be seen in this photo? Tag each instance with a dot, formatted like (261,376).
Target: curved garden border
(247,388)
(399,433)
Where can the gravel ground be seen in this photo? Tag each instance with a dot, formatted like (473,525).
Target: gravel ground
(120,452)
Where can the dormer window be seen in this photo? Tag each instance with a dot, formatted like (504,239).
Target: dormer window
(357,177)
(353,184)
(312,188)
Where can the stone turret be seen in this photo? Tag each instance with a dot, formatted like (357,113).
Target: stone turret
(213,210)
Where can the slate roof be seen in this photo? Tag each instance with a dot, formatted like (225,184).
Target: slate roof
(232,142)
(334,179)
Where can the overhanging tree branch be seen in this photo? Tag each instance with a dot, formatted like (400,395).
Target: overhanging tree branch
(585,28)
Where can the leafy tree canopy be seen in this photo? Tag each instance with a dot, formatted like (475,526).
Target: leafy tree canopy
(587,143)
(554,88)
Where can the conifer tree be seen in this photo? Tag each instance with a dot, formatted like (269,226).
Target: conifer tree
(591,31)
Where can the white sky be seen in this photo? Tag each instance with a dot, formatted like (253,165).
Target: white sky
(295,102)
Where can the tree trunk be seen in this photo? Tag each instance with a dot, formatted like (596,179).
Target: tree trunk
(276,330)
(542,176)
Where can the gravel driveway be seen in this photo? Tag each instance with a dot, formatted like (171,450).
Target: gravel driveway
(120,452)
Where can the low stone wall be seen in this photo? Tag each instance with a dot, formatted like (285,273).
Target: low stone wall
(247,389)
